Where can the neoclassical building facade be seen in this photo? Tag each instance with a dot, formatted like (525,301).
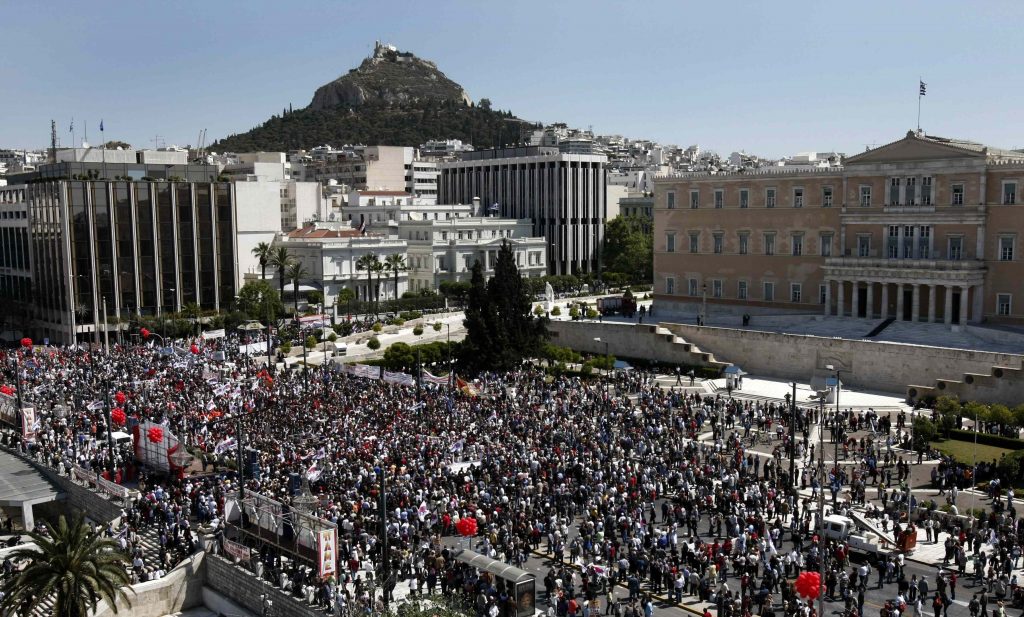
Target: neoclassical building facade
(922,229)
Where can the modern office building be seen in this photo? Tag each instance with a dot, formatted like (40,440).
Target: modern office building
(134,247)
(375,168)
(922,229)
(564,195)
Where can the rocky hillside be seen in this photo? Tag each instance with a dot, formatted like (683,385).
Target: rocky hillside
(389,76)
(393,98)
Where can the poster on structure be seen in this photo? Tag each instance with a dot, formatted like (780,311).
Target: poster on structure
(328,549)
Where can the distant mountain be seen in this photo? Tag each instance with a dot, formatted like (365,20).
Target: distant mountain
(392,98)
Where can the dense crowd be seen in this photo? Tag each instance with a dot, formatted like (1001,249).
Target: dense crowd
(608,475)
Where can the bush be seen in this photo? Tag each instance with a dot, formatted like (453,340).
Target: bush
(397,321)
(591,314)
(574,312)
(286,347)
(989,440)
(418,330)
(410,315)
(344,328)
(538,310)
(437,326)
(377,327)
(556,311)
(373,343)
(310,342)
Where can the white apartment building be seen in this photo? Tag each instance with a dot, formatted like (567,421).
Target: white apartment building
(446,249)
(329,251)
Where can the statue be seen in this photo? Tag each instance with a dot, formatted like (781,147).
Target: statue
(549,297)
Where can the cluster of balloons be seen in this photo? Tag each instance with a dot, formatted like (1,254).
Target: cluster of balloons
(808,585)
(466,526)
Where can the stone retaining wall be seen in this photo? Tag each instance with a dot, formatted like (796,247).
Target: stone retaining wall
(241,586)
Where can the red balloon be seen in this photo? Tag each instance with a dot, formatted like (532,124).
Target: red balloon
(466,526)
(26,342)
(194,348)
(808,585)
(118,416)
(120,397)
(156,434)
(144,332)
(5,389)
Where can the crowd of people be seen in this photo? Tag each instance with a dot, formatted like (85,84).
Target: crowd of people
(609,478)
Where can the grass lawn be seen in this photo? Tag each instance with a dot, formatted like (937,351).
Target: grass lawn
(964,451)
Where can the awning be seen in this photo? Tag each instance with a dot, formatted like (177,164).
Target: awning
(495,567)
(21,483)
(732,369)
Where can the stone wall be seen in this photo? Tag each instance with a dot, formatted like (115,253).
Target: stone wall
(181,589)
(240,585)
(873,365)
(641,341)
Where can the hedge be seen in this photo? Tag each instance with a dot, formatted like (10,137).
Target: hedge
(987,439)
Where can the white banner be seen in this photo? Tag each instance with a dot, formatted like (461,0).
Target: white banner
(399,378)
(112,488)
(253,348)
(240,552)
(328,549)
(212,334)
(28,424)
(9,409)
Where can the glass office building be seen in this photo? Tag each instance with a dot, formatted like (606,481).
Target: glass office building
(136,247)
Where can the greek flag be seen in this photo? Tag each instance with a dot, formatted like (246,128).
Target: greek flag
(923,88)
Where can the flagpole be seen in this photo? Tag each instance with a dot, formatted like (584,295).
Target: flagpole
(920,94)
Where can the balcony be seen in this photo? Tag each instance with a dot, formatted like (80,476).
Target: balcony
(961,265)
(928,271)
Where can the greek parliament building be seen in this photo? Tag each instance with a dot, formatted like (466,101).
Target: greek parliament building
(921,229)
(69,247)
(563,193)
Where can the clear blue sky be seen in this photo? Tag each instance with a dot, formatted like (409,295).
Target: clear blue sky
(772,78)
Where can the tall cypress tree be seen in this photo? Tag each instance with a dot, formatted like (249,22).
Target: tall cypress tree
(500,329)
(477,347)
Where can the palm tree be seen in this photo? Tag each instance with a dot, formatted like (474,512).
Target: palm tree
(72,567)
(396,264)
(263,252)
(378,269)
(280,258)
(296,273)
(369,263)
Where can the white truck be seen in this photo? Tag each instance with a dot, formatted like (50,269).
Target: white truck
(844,529)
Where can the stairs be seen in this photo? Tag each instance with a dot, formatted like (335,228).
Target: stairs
(878,329)
(693,355)
(149,542)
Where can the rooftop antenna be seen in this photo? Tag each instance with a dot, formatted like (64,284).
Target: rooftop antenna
(53,141)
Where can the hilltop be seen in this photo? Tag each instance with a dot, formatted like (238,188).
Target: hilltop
(392,98)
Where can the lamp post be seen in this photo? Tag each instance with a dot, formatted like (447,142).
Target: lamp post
(384,565)
(704,304)
(821,497)
(451,374)
(792,436)
(837,424)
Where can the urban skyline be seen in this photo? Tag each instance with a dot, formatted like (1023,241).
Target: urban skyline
(673,73)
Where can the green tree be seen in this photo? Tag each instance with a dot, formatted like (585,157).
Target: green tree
(629,248)
(71,565)
(500,329)
(258,300)
(310,342)
(373,344)
(924,432)
(370,263)
(296,272)
(280,258)
(399,357)
(395,263)
(999,415)
(315,297)
(1018,416)
(263,252)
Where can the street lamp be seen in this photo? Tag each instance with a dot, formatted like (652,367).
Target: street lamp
(822,395)
(837,428)
(704,304)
